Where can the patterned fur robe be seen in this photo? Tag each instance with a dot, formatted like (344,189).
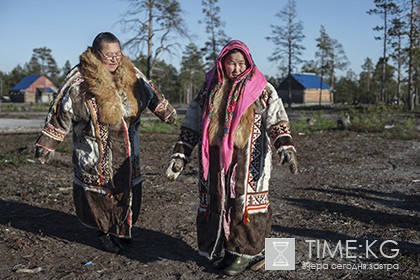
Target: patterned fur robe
(103,110)
(234,211)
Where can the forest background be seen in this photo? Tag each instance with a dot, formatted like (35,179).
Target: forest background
(157,31)
(358,182)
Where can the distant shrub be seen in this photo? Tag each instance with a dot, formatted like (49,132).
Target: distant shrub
(24,107)
(389,121)
(316,121)
(157,126)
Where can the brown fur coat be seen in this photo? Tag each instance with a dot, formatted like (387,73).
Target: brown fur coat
(115,93)
(243,131)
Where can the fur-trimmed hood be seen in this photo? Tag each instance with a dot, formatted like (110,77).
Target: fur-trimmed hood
(114,92)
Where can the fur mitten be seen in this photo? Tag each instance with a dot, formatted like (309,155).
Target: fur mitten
(176,165)
(43,155)
(288,155)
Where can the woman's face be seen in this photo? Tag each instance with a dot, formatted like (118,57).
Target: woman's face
(111,56)
(234,64)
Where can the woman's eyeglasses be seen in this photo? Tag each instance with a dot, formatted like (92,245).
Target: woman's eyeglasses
(110,57)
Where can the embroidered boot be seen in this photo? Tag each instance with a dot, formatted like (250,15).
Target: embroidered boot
(239,265)
(224,262)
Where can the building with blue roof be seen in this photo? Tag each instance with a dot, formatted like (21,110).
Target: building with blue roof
(35,88)
(306,89)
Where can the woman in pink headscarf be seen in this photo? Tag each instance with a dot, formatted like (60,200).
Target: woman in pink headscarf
(234,119)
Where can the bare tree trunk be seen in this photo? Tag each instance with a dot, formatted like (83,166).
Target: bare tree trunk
(289,88)
(382,98)
(322,78)
(213,42)
(411,90)
(149,41)
(190,89)
(320,90)
(399,76)
(332,81)
(290,75)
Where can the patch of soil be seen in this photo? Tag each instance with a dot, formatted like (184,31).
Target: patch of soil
(357,187)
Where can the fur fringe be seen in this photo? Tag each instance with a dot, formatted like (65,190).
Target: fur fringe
(244,129)
(110,90)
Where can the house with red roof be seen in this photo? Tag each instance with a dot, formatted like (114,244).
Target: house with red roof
(307,89)
(34,88)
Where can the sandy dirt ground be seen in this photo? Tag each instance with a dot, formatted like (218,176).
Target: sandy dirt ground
(350,186)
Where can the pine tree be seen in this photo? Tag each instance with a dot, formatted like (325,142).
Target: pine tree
(157,25)
(192,72)
(287,40)
(42,62)
(365,82)
(324,45)
(384,8)
(214,27)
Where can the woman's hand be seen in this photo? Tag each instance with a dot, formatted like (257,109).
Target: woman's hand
(288,155)
(44,156)
(176,165)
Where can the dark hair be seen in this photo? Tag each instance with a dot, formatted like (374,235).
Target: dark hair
(103,37)
(236,51)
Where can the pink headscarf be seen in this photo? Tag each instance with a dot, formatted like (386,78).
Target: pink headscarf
(250,86)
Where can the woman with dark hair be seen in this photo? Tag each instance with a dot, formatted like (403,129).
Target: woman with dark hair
(233,120)
(101,100)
